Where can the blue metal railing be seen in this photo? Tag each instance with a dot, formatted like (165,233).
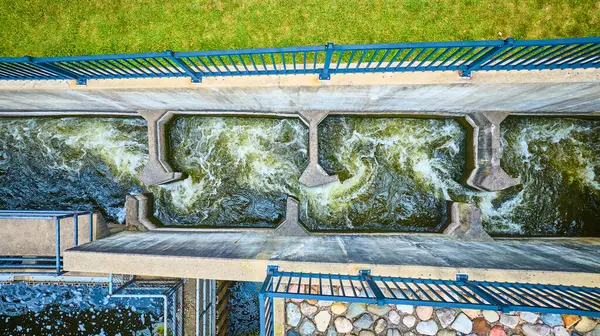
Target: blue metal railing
(325,60)
(170,291)
(459,293)
(55,262)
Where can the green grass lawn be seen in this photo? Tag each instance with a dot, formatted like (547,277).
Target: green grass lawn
(75,27)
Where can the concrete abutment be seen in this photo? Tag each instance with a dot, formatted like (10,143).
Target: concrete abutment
(465,223)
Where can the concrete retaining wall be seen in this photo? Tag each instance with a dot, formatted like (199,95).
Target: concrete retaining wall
(573,91)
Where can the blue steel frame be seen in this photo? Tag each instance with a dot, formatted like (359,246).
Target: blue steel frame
(459,293)
(206,310)
(168,290)
(57,216)
(324,61)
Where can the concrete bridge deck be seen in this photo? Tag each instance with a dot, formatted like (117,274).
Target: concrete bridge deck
(243,256)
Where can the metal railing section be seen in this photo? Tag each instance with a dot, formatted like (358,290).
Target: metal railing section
(45,262)
(205,307)
(459,293)
(324,60)
(170,291)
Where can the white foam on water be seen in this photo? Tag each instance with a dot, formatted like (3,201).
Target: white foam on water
(408,145)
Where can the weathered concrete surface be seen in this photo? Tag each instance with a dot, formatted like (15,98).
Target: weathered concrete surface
(139,212)
(314,175)
(37,237)
(465,223)
(291,224)
(158,170)
(189,308)
(244,256)
(278,317)
(484,171)
(570,91)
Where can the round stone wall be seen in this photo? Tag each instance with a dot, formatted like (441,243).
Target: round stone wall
(311,317)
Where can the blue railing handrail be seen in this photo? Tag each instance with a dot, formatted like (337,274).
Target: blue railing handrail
(41,214)
(458,293)
(577,40)
(324,60)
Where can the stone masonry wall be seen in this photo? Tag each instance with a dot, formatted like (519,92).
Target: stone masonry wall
(311,317)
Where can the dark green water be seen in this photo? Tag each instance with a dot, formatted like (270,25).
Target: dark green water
(396,174)
(558,161)
(244,312)
(70,310)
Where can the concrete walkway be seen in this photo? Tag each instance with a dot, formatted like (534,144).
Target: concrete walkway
(244,256)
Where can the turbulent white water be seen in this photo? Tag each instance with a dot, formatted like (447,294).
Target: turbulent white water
(396,174)
(71,163)
(557,161)
(240,171)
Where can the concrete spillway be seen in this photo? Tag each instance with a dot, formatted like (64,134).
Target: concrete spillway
(482,102)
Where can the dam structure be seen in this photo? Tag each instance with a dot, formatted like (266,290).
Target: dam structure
(448,188)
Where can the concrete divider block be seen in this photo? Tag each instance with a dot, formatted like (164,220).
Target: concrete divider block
(291,225)
(314,175)
(465,223)
(158,170)
(484,171)
(139,212)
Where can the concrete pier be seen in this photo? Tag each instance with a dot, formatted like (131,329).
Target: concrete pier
(291,225)
(484,171)
(465,223)
(314,175)
(139,212)
(158,170)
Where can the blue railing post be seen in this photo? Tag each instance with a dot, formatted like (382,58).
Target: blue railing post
(56,70)
(181,64)
(366,275)
(91,226)
(324,75)
(475,65)
(261,302)
(75,229)
(110,285)
(57,246)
